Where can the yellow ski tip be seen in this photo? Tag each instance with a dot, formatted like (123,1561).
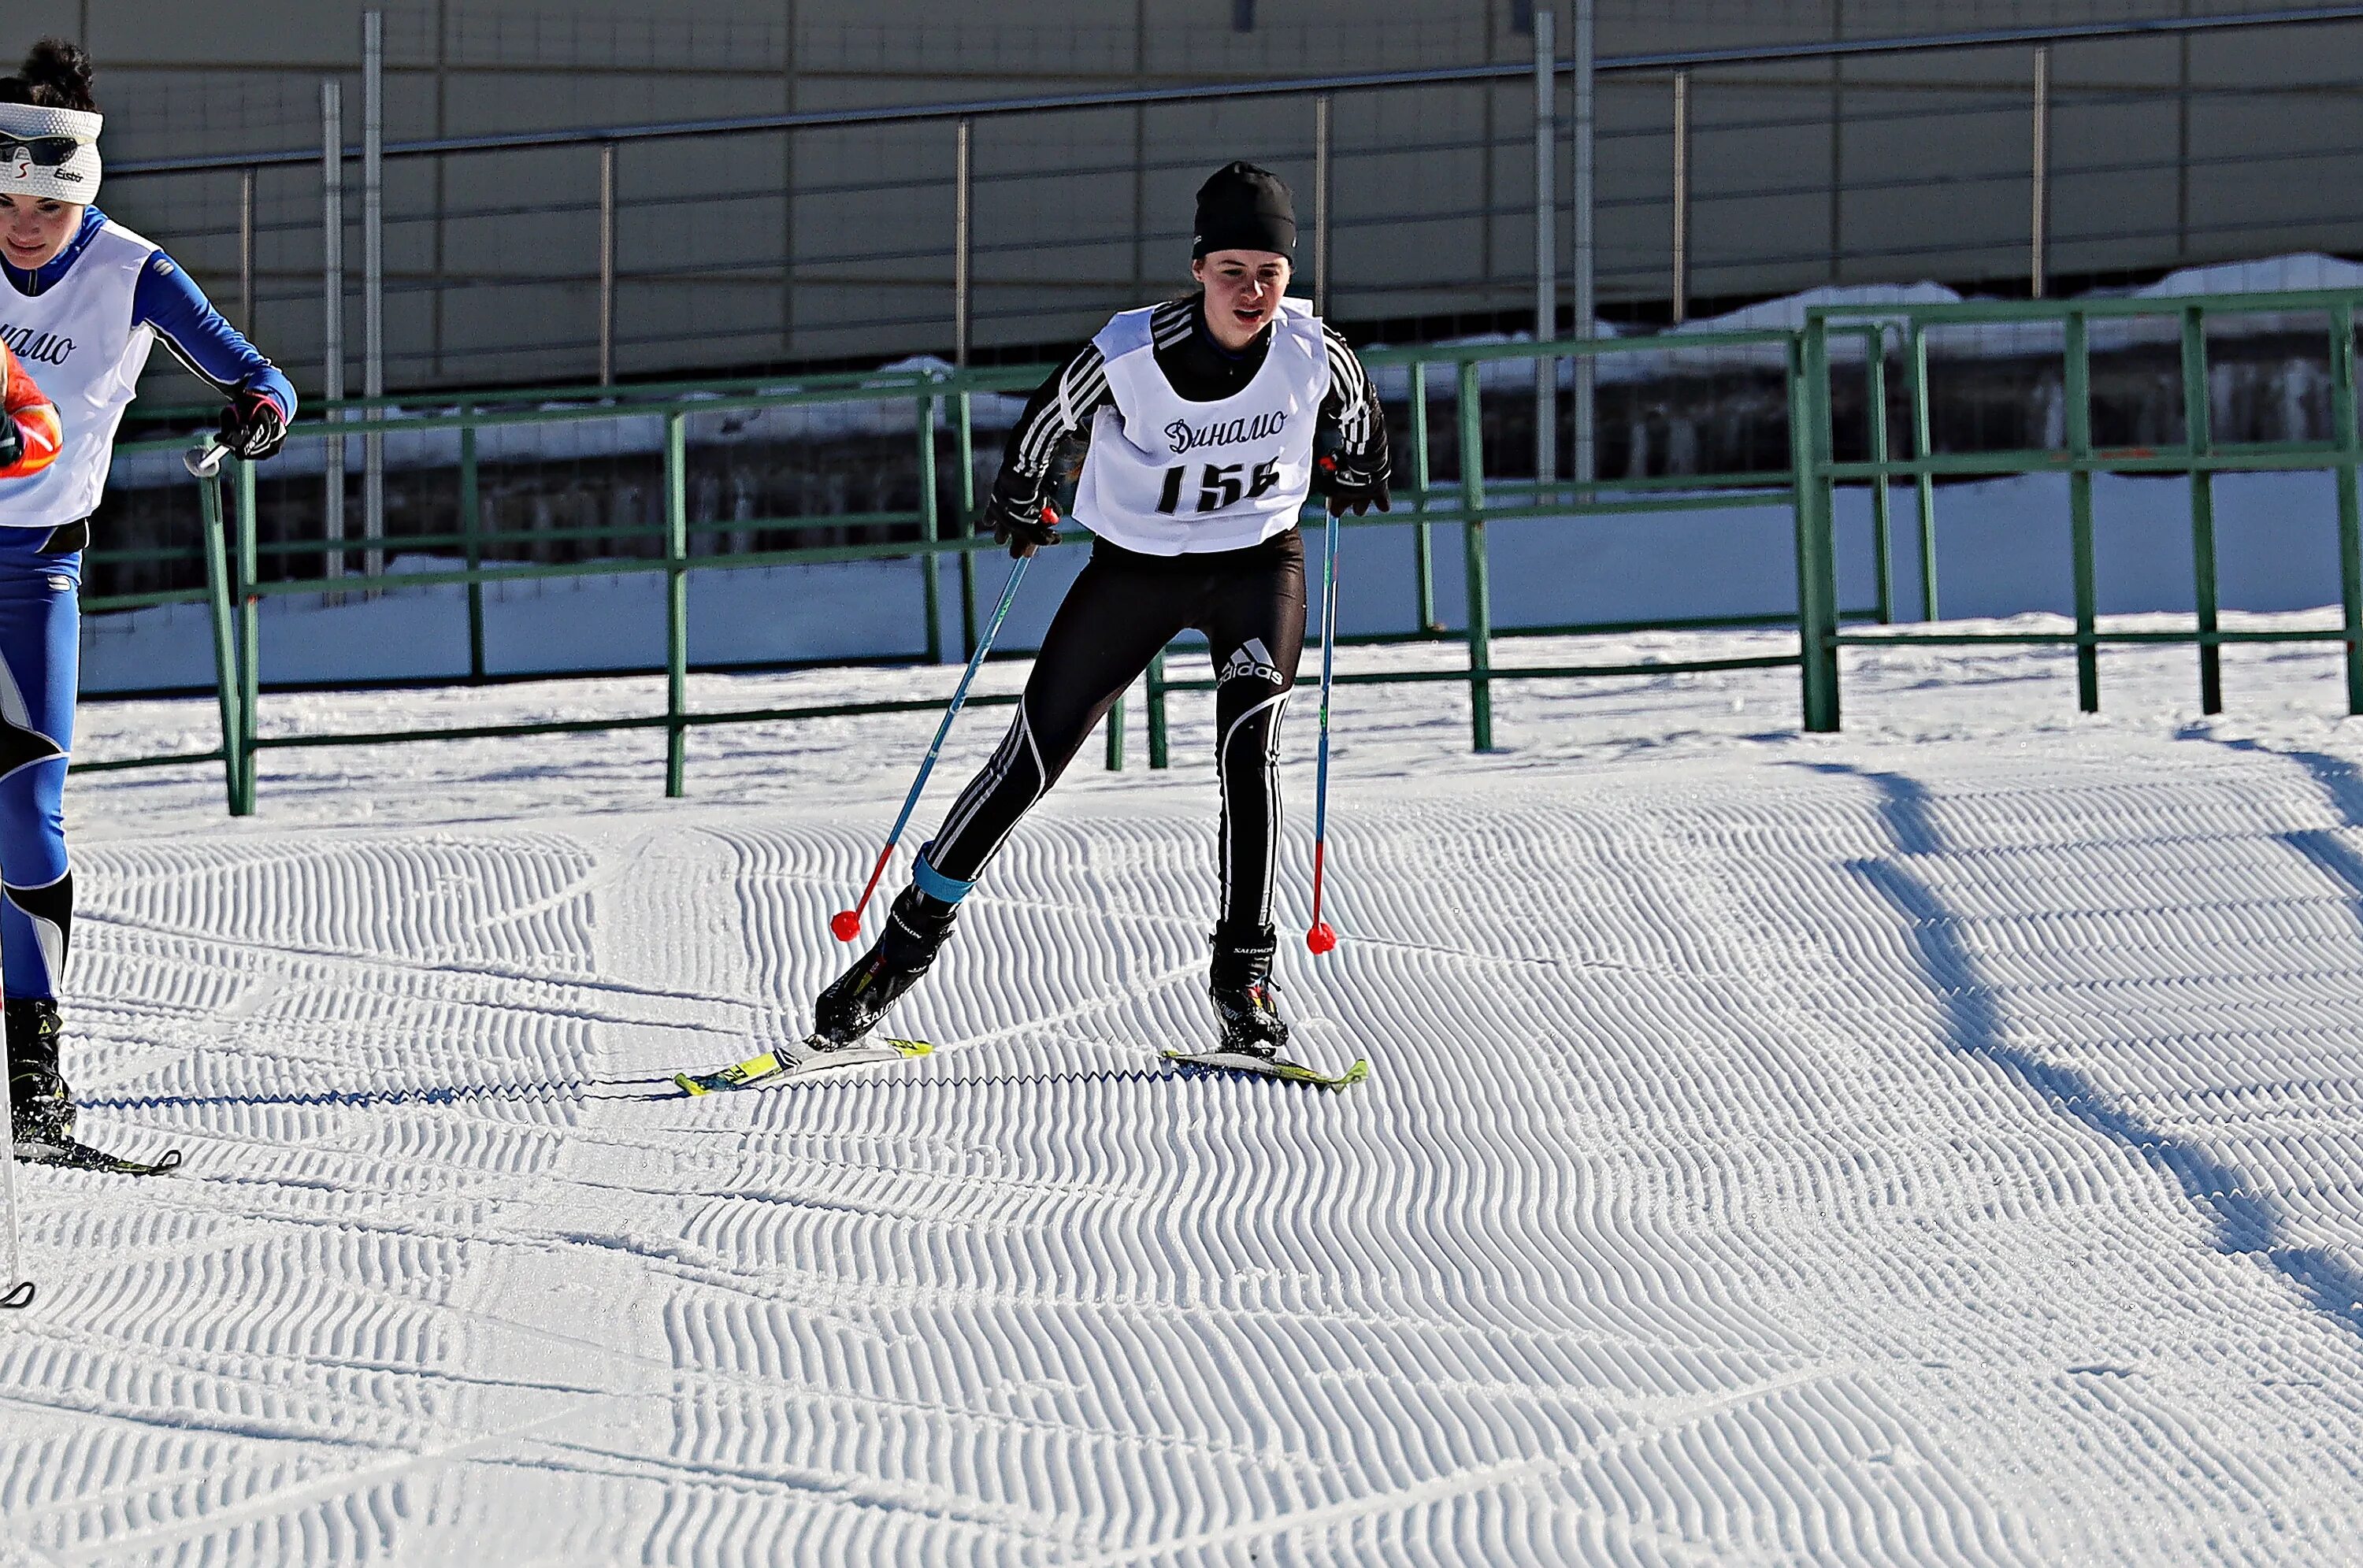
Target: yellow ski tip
(696,1084)
(913,1047)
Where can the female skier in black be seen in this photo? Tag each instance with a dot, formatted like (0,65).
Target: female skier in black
(1210,419)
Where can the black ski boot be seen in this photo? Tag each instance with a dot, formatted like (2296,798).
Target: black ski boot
(1240,984)
(42,1109)
(915,928)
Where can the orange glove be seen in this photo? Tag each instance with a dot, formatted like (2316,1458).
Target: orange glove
(31,436)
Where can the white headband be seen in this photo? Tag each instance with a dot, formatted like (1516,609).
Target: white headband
(30,169)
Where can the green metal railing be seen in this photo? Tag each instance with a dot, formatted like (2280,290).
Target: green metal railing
(1472,501)
(2199,458)
(237,589)
(235,585)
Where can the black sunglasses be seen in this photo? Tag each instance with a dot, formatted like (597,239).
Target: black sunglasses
(49,152)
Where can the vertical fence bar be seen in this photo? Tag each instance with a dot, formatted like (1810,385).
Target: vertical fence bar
(1423,534)
(1481,598)
(1587,304)
(607,263)
(2039,224)
(471,524)
(1923,484)
(2350,529)
(2078,392)
(2198,434)
(964,443)
(1115,735)
(1545,242)
(217,601)
(1882,506)
(1809,439)
(373,286)
(1837,193)
(249,640)
(1682,237)
(1320,203)
(676,544)
(245,250)
(964,431)
(930,585)
(332,317)
(1159,753)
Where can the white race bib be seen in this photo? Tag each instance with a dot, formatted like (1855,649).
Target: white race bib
(79,345)
(1168,477)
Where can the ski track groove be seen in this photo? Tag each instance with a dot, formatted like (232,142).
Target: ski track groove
(1738,1182)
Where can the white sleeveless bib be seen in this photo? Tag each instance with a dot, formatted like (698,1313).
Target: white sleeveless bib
(1168,477)
(78,343)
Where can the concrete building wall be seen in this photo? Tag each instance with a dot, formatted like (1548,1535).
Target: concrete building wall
(834,244)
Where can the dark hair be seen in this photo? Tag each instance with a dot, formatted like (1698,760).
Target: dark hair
(56,75)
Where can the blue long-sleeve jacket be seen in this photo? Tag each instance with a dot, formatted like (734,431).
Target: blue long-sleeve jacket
(168,299)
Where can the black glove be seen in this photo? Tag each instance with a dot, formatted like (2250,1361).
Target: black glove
(1352,484)
(252,426)
(1021,522)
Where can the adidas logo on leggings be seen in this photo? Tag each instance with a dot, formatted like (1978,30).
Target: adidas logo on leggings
(1253,659)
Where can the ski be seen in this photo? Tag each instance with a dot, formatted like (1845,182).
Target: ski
(1220,1060)
(773,1065)
(74,1156)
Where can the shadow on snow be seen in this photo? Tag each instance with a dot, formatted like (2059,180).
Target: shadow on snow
(2245,1225)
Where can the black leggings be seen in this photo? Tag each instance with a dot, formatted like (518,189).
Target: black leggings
(1123,608)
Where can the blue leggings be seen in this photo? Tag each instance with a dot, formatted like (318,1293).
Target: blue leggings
(41,647)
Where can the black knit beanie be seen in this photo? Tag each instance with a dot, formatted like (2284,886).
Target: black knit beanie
(1243,207)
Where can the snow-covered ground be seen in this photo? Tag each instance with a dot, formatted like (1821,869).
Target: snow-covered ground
(1935,1142)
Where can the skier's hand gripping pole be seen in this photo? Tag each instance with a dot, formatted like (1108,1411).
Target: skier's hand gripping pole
(1320,938)
(846,924)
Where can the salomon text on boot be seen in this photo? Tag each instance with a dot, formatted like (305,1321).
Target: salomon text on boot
(915,928)
(1240,984)
(42,1109)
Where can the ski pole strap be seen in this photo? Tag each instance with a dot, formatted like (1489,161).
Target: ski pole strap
(934,883)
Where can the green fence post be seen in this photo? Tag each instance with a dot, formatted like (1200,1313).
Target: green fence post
(1158,754)
(1422,540)
(218,599)
(2202,505)
(249,642)
(1882,519)
(676,546)
(2351,533)
(1809,445)
(2078,396)
(1115,735)
(1481,597)
(965,434)
(471,525)
(1923,484)
(931,593)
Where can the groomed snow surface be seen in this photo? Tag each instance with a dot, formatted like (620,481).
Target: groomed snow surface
(1935,1142)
